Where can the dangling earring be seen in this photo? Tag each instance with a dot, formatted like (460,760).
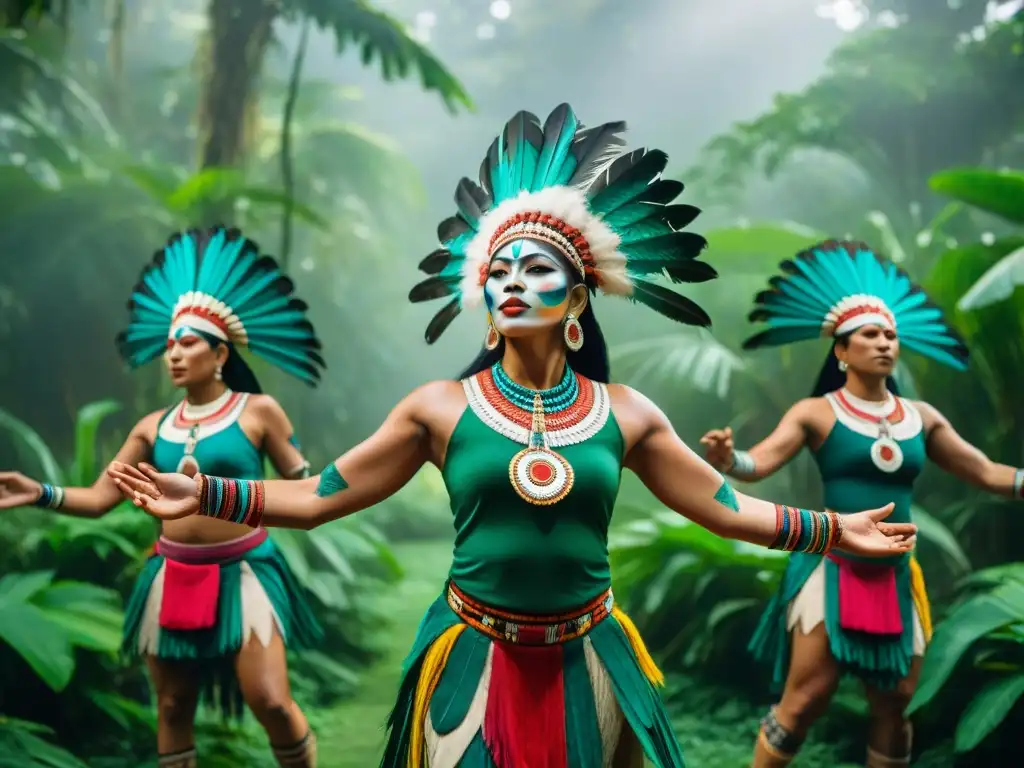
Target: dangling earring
(493,338)
(843,366)
(572,331)
(218,375)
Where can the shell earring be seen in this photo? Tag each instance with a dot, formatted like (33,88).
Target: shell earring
(493,338)
(843,366)
(218,374)
(572,331)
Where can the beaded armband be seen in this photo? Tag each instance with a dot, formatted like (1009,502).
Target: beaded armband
(1018,484)
(802,530)
(52,497)
(237,501)
(742,464)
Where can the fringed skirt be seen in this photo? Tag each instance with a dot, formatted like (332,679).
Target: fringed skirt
(202,603)
(876,615)
(483,688)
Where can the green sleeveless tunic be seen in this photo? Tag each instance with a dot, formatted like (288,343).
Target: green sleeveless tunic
(522,558)
(852,483)
(519,557)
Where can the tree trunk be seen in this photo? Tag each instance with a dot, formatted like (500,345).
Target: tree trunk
(287,171)
(235,46)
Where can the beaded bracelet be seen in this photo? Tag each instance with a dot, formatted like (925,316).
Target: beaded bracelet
(1018,484)
(237,501)
(51,497)
(803,530)
(742,464)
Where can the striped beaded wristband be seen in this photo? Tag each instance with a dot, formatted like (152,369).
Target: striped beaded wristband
(742,464)
(803,530)
(237,501)
(1018,484)
(51,497)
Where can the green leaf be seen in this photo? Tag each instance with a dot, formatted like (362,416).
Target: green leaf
(695,358)
(997,192)
(36,445)
(87,425)
(997,284)
(953,637)
(761,246)
(931,529)
(987,710)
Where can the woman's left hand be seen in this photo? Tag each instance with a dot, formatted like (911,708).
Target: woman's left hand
(866,535)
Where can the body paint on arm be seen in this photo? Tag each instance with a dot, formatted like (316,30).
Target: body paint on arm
(726,496)
(331,482)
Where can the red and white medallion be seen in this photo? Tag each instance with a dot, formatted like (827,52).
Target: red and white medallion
(540,476)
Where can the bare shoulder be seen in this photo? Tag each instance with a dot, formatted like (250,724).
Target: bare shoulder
(434,400)
(930,416)
(810,408)
(636,414)
(146,427)
(264,405)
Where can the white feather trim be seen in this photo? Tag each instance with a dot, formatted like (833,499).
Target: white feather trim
(565,203)
(199,300)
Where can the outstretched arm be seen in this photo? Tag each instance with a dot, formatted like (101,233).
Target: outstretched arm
(767,457)
(958,457)
(690,486)
(91,501)
(366,475)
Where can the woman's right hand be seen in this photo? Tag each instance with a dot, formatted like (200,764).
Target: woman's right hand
(167,496)
(718,448)
(16,490)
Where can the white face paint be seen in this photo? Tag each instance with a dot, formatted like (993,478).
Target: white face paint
(528,288)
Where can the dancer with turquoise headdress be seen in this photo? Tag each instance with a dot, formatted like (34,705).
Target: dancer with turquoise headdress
(525,659)
(838,613)
(216,603)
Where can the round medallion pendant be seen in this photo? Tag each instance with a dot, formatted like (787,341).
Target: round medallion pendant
(188,465)
(886,454)
(540,476)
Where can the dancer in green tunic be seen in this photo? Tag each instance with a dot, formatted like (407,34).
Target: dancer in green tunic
(839,613)
(524,659)
(215,603)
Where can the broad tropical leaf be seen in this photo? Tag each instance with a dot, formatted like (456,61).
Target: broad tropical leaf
(997,284)
(932,529)
(36,446)
(970,622)
(21,746)
(987,710)
(758,248)
(379,36)
(84,467)
(44,621)
(695,358)
(1000,193)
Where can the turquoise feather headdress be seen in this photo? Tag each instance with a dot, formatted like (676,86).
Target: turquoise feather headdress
(217,283)
(836,287)
(607,211)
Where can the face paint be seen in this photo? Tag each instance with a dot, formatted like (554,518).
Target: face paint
(190,356)
(528,288)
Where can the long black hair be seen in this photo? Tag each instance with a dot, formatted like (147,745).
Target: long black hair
(236,373)
(591,360)
(830,378)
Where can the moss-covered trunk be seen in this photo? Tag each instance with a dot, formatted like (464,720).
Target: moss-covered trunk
(232,61)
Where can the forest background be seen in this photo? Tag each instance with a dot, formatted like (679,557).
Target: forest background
(333,132)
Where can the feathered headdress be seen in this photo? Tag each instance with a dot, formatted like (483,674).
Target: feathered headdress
(217,283)
(836,287)
(574,188)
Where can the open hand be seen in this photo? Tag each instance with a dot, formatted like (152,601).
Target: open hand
(864,534)
(168,496)
(719,448)
(16,490)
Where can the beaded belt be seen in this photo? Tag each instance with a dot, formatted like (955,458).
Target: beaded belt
(526,629)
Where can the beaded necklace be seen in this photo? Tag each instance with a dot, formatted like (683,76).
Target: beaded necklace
(572,411)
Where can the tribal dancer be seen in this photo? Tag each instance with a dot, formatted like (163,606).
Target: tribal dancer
(525,659)
(838,613)
(215,605)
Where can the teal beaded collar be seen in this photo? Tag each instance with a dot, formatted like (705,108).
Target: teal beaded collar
(556,399)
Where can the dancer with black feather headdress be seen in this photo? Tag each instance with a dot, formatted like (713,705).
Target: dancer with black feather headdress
(840,614)
(525,659)
(216,603)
